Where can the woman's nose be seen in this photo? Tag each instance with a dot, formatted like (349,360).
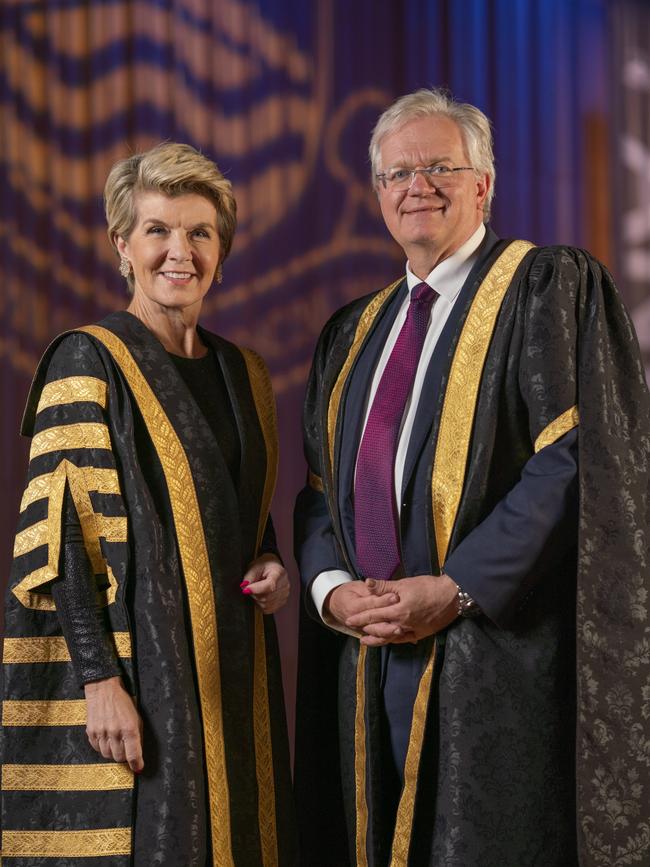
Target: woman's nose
(179,247)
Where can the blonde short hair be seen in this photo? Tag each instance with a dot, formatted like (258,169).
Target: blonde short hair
(473,124)
(175,170)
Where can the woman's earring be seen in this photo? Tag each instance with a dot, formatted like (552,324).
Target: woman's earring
(125,266)
(219,275)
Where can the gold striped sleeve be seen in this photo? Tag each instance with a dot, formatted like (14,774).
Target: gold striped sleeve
(98,842)
(44,713)
(73,389)
(26,591)
(315,482)
(84,435)
(52,648)
(112,529)
(557,428)
(67,778)
(98,479)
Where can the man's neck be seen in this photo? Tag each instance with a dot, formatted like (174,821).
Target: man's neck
(422,260)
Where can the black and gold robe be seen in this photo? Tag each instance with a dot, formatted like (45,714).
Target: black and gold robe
(169,536)
(509,729)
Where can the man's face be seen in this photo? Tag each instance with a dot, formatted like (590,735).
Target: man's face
(427,221)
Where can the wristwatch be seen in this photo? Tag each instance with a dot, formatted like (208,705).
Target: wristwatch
(467,607)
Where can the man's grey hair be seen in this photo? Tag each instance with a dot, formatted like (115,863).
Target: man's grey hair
(474,127)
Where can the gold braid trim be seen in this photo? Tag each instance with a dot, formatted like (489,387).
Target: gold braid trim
(49,531)
(315,482)
(44,713)
(196,570)
(99,842)
(97,479)
(266,413)
(404,820)
(456,421)
(83,435)
(112,529)
(73,389)
(556,429)
(363,326)
(360,760)
(52,648)
(66,778)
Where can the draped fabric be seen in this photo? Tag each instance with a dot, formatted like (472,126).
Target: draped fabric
(169,534)
(283,94)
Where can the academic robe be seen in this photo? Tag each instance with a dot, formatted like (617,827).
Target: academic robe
(169,536)
(531,720)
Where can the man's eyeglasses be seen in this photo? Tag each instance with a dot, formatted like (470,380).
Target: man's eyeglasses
(399,179)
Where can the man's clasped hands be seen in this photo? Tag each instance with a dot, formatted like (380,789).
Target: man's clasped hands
(395,612)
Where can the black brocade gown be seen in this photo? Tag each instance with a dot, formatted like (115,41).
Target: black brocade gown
(171,813)
(171,802)
(171,466)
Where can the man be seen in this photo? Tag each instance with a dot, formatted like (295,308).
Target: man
(477,437)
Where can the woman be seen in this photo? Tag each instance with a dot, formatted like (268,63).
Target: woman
(144,562)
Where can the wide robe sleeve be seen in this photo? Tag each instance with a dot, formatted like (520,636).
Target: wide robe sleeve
(59,797)
(534,526)
(71,450)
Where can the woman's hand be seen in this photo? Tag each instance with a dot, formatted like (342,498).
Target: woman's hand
(113,725)
(267,583)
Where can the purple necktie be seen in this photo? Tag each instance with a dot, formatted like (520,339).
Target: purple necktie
(375,513)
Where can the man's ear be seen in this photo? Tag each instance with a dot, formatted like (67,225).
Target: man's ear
(482,189)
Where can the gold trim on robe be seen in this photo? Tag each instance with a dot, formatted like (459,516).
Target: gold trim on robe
(73,389)
(97,480)
(315,482)
(52,648)
(456,421)
(93,526)
(406,808)
(557,428)
(69,712)
(82,435)
(95,843)
(196,570)
(266,413)
(363,327)
(98,777)
(360,760)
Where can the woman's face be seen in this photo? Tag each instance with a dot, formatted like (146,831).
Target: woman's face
(173,249)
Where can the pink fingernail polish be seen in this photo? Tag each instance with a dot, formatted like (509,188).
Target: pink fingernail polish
(246,590)
(244,583)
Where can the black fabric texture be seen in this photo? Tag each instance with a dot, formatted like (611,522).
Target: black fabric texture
(499,769)
(169,808)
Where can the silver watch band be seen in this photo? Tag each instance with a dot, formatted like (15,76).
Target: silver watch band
(467,607)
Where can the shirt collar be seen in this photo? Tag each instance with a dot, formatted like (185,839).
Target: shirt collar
(448,276)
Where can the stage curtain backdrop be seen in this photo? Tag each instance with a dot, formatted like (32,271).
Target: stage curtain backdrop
(283,95)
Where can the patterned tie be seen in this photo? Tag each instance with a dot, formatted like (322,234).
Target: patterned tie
(375,513)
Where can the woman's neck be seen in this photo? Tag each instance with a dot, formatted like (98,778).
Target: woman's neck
(174,327)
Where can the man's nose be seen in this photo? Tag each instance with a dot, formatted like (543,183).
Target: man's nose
(420,183)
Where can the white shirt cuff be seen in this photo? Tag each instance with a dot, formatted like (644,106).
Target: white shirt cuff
(321,587)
